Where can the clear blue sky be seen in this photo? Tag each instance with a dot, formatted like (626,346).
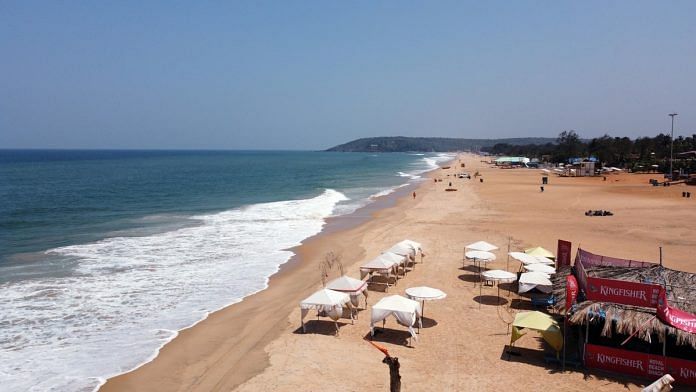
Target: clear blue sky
(308,75)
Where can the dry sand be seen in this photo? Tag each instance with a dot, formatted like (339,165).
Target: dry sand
(256,345)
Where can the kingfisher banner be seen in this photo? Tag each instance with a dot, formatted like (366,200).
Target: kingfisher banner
(563,253)
(640,364)
(571,291)
(673,316)
(622,292)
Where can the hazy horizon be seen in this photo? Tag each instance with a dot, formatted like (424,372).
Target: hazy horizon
(310,75)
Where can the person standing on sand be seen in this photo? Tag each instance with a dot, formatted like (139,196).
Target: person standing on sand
(414,195)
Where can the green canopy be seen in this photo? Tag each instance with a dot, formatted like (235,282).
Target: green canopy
(541,322)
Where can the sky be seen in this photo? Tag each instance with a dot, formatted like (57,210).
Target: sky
(310,75)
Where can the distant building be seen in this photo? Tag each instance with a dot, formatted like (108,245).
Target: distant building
(511,161)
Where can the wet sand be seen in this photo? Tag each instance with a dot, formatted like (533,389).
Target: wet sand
(256,344)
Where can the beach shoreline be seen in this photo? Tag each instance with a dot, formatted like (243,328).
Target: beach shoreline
(257,344)
(254,357)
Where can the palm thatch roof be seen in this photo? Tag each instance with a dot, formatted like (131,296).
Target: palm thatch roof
(681,293)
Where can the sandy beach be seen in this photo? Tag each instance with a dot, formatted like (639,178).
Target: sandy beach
(257,344)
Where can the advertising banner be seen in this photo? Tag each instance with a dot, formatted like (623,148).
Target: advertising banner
(622,292)
(625,362)
(563,253)
(683,371)
(673,316)
(571,291)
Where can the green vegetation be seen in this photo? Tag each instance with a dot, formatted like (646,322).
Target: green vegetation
(429,144)
(639,154)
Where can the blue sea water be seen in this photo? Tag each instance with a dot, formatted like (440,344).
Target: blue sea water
(115,251)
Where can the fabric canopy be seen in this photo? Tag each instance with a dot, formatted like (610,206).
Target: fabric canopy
(425,293)
(539,251)
(499,276)
(481,245)
(397,259)
(350,286)
(379,263)
(531,280)
(403,249)
(480,255)
(415,245)
(406,311)
(541,322)
(327,301)
(538,267)
(523,257)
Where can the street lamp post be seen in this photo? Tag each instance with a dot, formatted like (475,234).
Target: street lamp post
(671,148)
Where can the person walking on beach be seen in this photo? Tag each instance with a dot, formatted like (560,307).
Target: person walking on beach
(414,195)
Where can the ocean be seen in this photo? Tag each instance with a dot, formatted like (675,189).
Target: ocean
(106,255)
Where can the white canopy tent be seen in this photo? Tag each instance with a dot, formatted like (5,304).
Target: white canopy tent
(379,265)
(498,276)
(531,280)
(397,259)
(424,293)
(416,246)
(328,302)
(406,311)
(539,267)
(482,246)
(351,286)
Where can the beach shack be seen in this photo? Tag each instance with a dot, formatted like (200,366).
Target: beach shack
(631,317)
(512,161)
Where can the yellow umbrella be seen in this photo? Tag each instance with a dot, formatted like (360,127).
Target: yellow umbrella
(539,251)
(541,322)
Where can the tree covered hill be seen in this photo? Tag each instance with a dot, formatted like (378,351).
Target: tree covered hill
(430,144)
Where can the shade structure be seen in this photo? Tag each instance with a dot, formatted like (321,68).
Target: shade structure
(424,293)
(524,258)
(499,276)
(480,255)
(539,251)
(382,265)
(544,260)
(403,248)
(482,246)
(327,301)
(406,311)
(531,280)
(538,267)
(540,322)
(351,286)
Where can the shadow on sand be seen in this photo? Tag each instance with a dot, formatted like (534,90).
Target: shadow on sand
(321,327)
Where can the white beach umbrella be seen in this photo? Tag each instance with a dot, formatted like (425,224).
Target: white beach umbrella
(481,245)
(424,293)
(480,255)
(531,280)
(539,267)
(498,276)
(524,258)
(544,260)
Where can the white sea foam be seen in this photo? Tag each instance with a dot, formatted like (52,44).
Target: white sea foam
(128,296)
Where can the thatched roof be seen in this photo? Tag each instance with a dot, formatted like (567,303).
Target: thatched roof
(681,293)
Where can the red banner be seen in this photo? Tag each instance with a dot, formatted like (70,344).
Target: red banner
(640,364)
(563,253)
(683,371)
(673,316)
(622,292)
(623,361)
(571,291)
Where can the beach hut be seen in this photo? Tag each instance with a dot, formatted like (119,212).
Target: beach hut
(382,266)
(327,302)
(540,322)
(351,286)
(406,311)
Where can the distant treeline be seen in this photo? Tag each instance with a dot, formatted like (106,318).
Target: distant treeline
(638,154)
(429,144)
